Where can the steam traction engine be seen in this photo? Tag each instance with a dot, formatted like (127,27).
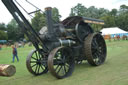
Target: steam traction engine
(62,44)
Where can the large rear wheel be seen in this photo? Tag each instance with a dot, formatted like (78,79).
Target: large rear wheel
(95,49)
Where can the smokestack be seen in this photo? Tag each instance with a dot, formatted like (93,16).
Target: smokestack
(49,19)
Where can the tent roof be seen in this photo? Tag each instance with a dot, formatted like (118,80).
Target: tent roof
(113,30)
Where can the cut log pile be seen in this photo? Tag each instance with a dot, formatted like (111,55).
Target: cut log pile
(7,70)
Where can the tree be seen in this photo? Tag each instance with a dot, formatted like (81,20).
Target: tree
(92,12)
(55,14)
(3,35)
(72,12)
(38,21)
(14,32)
(78,10)
(96,27)
(122,21)
(124,7)
(109,21)
(103,12)
(3,26)
(113,12)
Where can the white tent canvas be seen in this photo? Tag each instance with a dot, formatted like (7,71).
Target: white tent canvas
(113,30)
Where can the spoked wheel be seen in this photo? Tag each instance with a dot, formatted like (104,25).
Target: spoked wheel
(61,62)
(95,49)
(36,64)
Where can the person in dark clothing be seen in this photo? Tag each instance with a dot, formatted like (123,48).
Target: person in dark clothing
(0,47)
(14,54)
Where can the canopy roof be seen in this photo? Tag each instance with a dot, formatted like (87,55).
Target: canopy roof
(113,30)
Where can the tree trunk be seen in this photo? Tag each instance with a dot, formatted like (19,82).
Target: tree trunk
(7,70)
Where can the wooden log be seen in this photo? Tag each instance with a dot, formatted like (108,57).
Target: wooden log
(7,70)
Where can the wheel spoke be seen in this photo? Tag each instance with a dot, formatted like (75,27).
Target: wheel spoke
(33,65)
(56,67)
(42,67)
(33,61)
(67,65)
(39,69)
(65,69)
(59,69)
(36,55)
(36,68)
(95,59)
(57,61)
(39,55)
(34,58)
(95,41)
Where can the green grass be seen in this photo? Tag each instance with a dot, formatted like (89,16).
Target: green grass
(113,72)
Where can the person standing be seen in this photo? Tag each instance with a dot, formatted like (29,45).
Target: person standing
(0,47)
(14,51)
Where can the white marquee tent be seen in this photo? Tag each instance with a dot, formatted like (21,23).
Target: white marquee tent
(113,30)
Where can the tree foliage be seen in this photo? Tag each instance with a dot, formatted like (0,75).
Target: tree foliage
(3,32)
(3,35)
(109,21)
(122,21)
(78,10)
(93,12)
(14,31)
(55,15)
(113,12)
(111,18)
(2,26)
(39,19)
(124,8)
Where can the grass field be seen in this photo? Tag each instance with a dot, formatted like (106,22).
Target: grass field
(113,72)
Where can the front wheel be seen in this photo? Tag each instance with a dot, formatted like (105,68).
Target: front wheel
(36,63)
(61,62)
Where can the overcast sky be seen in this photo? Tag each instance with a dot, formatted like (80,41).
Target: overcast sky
(64,6)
